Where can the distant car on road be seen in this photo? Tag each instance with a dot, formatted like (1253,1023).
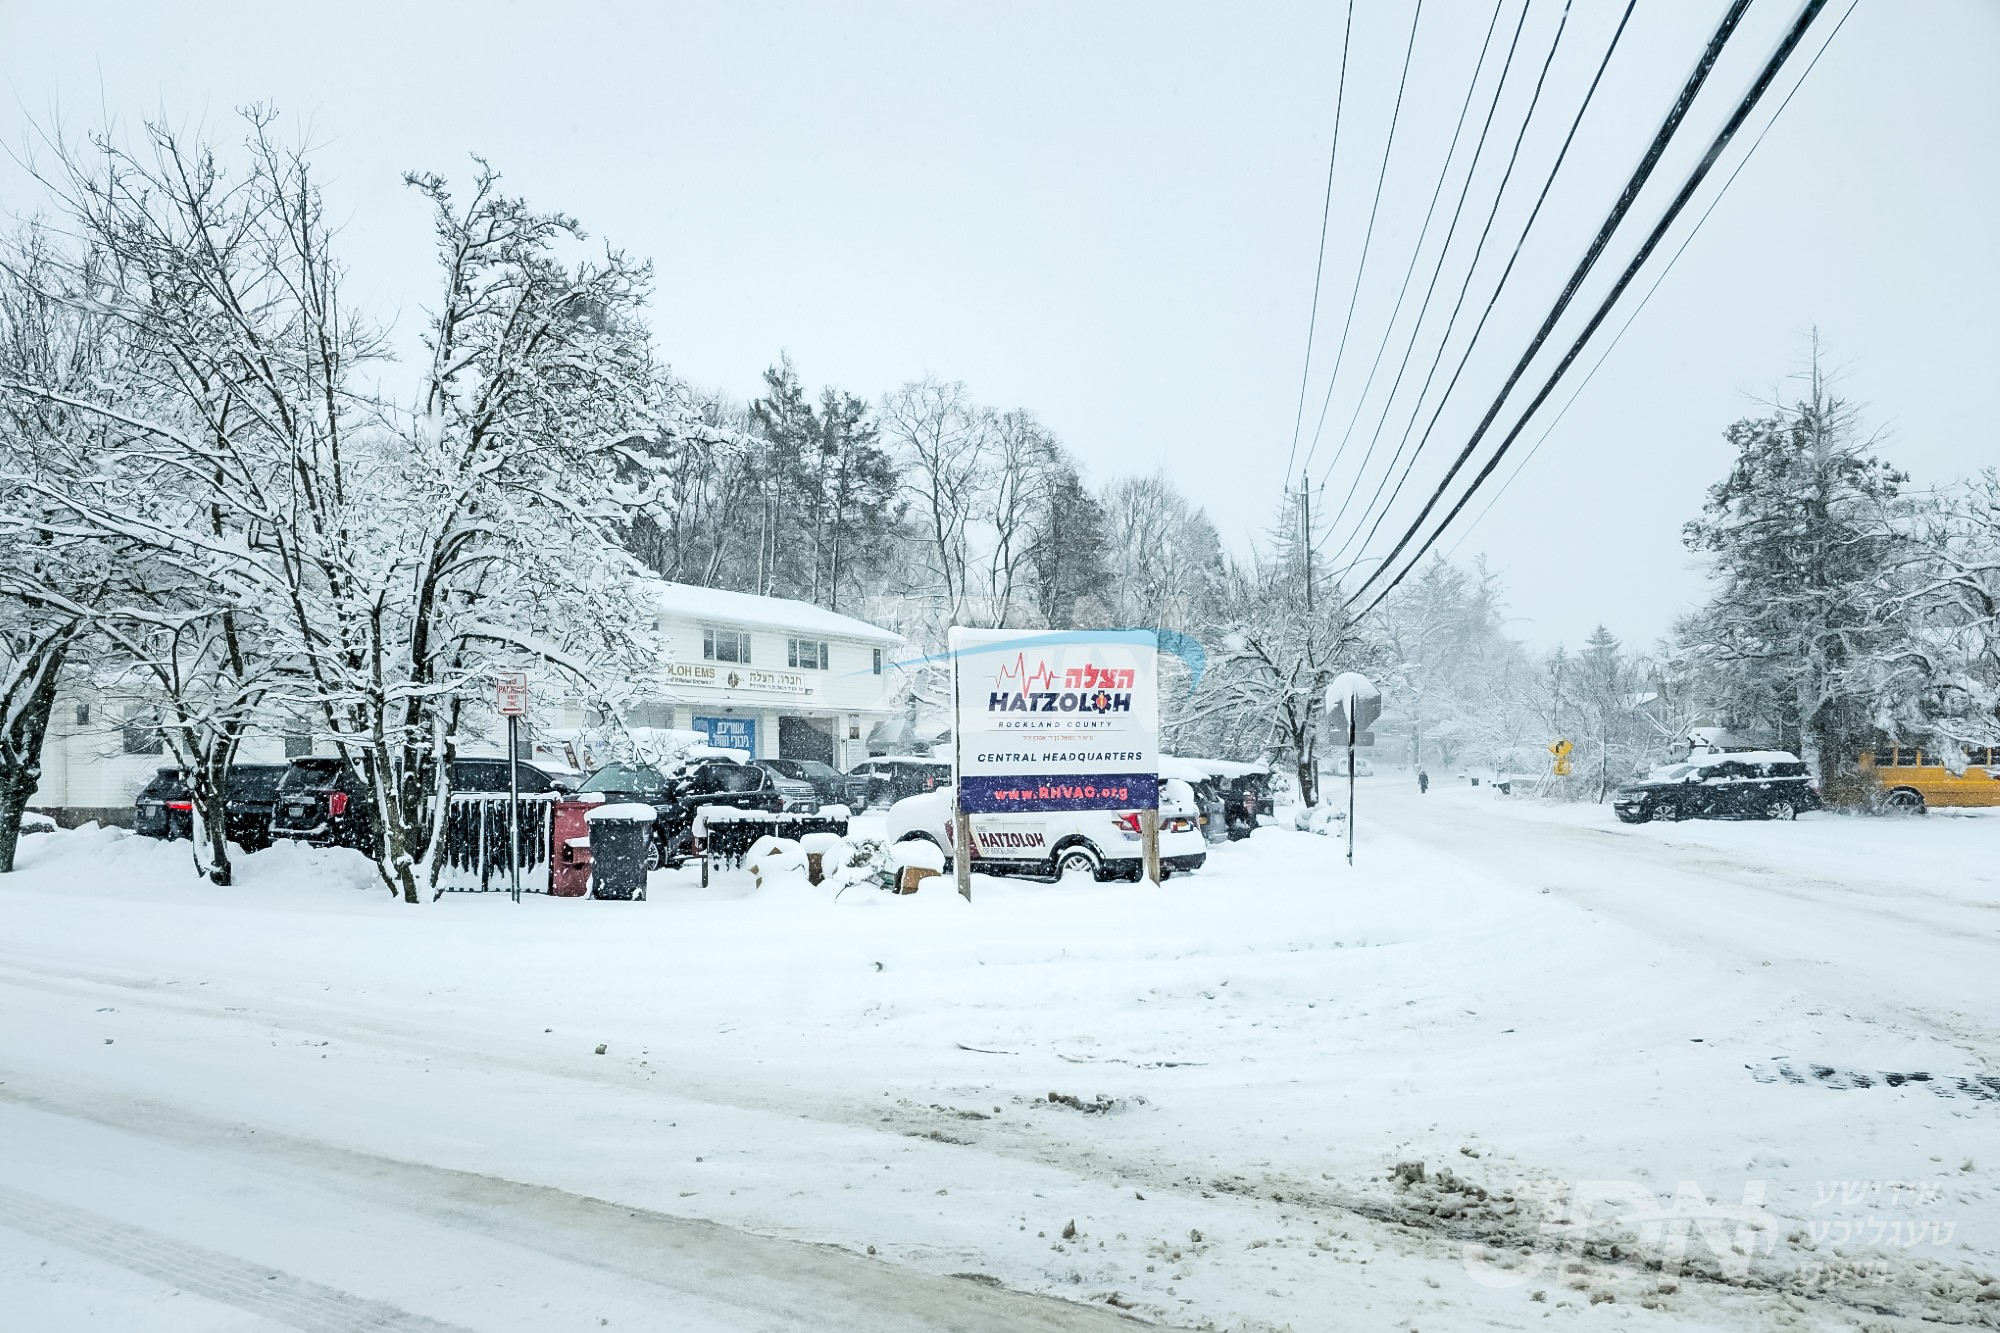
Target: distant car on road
(1750,784)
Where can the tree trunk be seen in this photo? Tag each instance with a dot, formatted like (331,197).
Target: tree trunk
(21,752)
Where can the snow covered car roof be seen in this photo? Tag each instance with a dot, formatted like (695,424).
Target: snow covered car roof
(1194,770)
(742,608)
(1743,757)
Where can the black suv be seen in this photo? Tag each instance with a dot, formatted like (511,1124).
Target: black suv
(165,808)
(830,785)
(320,800)
(1767,784)
(676,796)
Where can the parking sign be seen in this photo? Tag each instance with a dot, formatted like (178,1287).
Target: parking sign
(510,695)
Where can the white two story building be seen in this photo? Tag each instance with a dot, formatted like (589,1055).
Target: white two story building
(777,678)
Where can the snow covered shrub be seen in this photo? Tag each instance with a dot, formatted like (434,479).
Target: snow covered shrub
(857,863)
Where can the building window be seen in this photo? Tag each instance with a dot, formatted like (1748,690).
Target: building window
(806,654)
(657,715)
(878,661)
(725,645)
(298,741)
(140,730)
(83,715)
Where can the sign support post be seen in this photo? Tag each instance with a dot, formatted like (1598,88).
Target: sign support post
(961,823)
(1350,789)
(1149,842)
(510,698)
(1353,702)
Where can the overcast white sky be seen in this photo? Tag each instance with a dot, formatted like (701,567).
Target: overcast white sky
(1108,213)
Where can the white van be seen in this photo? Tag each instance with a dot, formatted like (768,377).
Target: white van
(1104,844)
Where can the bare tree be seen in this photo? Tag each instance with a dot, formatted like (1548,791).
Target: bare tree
(942,438)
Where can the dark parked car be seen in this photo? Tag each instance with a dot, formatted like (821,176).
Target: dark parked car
(165,808)
(676,796)
(1244,798)
(321,801)
(829,784)
(1765,784)
(893,777)
(796,792)
(1214,810)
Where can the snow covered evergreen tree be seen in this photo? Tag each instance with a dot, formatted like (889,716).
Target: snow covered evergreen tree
(1799,538)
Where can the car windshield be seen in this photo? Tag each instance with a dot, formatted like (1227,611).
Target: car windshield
(629,778)
(813,768)
(732,777)
(1672,773)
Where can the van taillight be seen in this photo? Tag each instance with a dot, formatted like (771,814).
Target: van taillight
(180,805)
(336,804)
(1130,822)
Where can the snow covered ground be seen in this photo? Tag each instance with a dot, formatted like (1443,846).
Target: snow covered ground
(1631,1061)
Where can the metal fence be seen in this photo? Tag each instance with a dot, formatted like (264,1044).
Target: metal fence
(474,856)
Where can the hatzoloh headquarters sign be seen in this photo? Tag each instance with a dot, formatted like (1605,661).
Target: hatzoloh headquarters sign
(1057,720)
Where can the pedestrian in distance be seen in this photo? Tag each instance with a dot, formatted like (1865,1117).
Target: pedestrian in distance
(1423,782)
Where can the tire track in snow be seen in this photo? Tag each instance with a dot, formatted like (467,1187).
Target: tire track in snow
(774,1283)
(259,1289)
(1670,920)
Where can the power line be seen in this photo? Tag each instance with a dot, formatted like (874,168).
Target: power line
(1368,237)
(1693,231)
(1319,266)
(1458,305)
(1520,241)
(1676,114)
(1807,13)
(1416,251)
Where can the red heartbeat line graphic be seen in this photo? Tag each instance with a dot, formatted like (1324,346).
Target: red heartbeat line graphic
(1020,673)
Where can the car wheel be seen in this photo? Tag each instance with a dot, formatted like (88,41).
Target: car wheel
(1904,801)
(655,857)
(1779,810)
(1667,811)
(1079,858)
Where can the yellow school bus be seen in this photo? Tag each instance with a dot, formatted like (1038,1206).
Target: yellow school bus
(1915,779)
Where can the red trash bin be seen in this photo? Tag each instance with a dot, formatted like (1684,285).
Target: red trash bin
(569,858)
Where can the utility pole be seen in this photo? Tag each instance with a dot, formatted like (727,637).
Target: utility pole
(1306,537)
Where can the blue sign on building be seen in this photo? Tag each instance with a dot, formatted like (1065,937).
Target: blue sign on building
(730,733)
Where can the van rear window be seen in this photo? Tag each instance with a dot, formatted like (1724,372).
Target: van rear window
(310,777)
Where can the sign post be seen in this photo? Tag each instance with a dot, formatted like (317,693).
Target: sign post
(1055,720)
(510,700)
(1353,702)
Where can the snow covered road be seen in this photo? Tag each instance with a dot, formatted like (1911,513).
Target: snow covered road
(809,1113)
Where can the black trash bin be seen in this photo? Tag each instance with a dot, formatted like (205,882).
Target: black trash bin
(621,836)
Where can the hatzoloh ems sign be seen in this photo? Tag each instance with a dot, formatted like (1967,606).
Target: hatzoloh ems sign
(1061,720)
